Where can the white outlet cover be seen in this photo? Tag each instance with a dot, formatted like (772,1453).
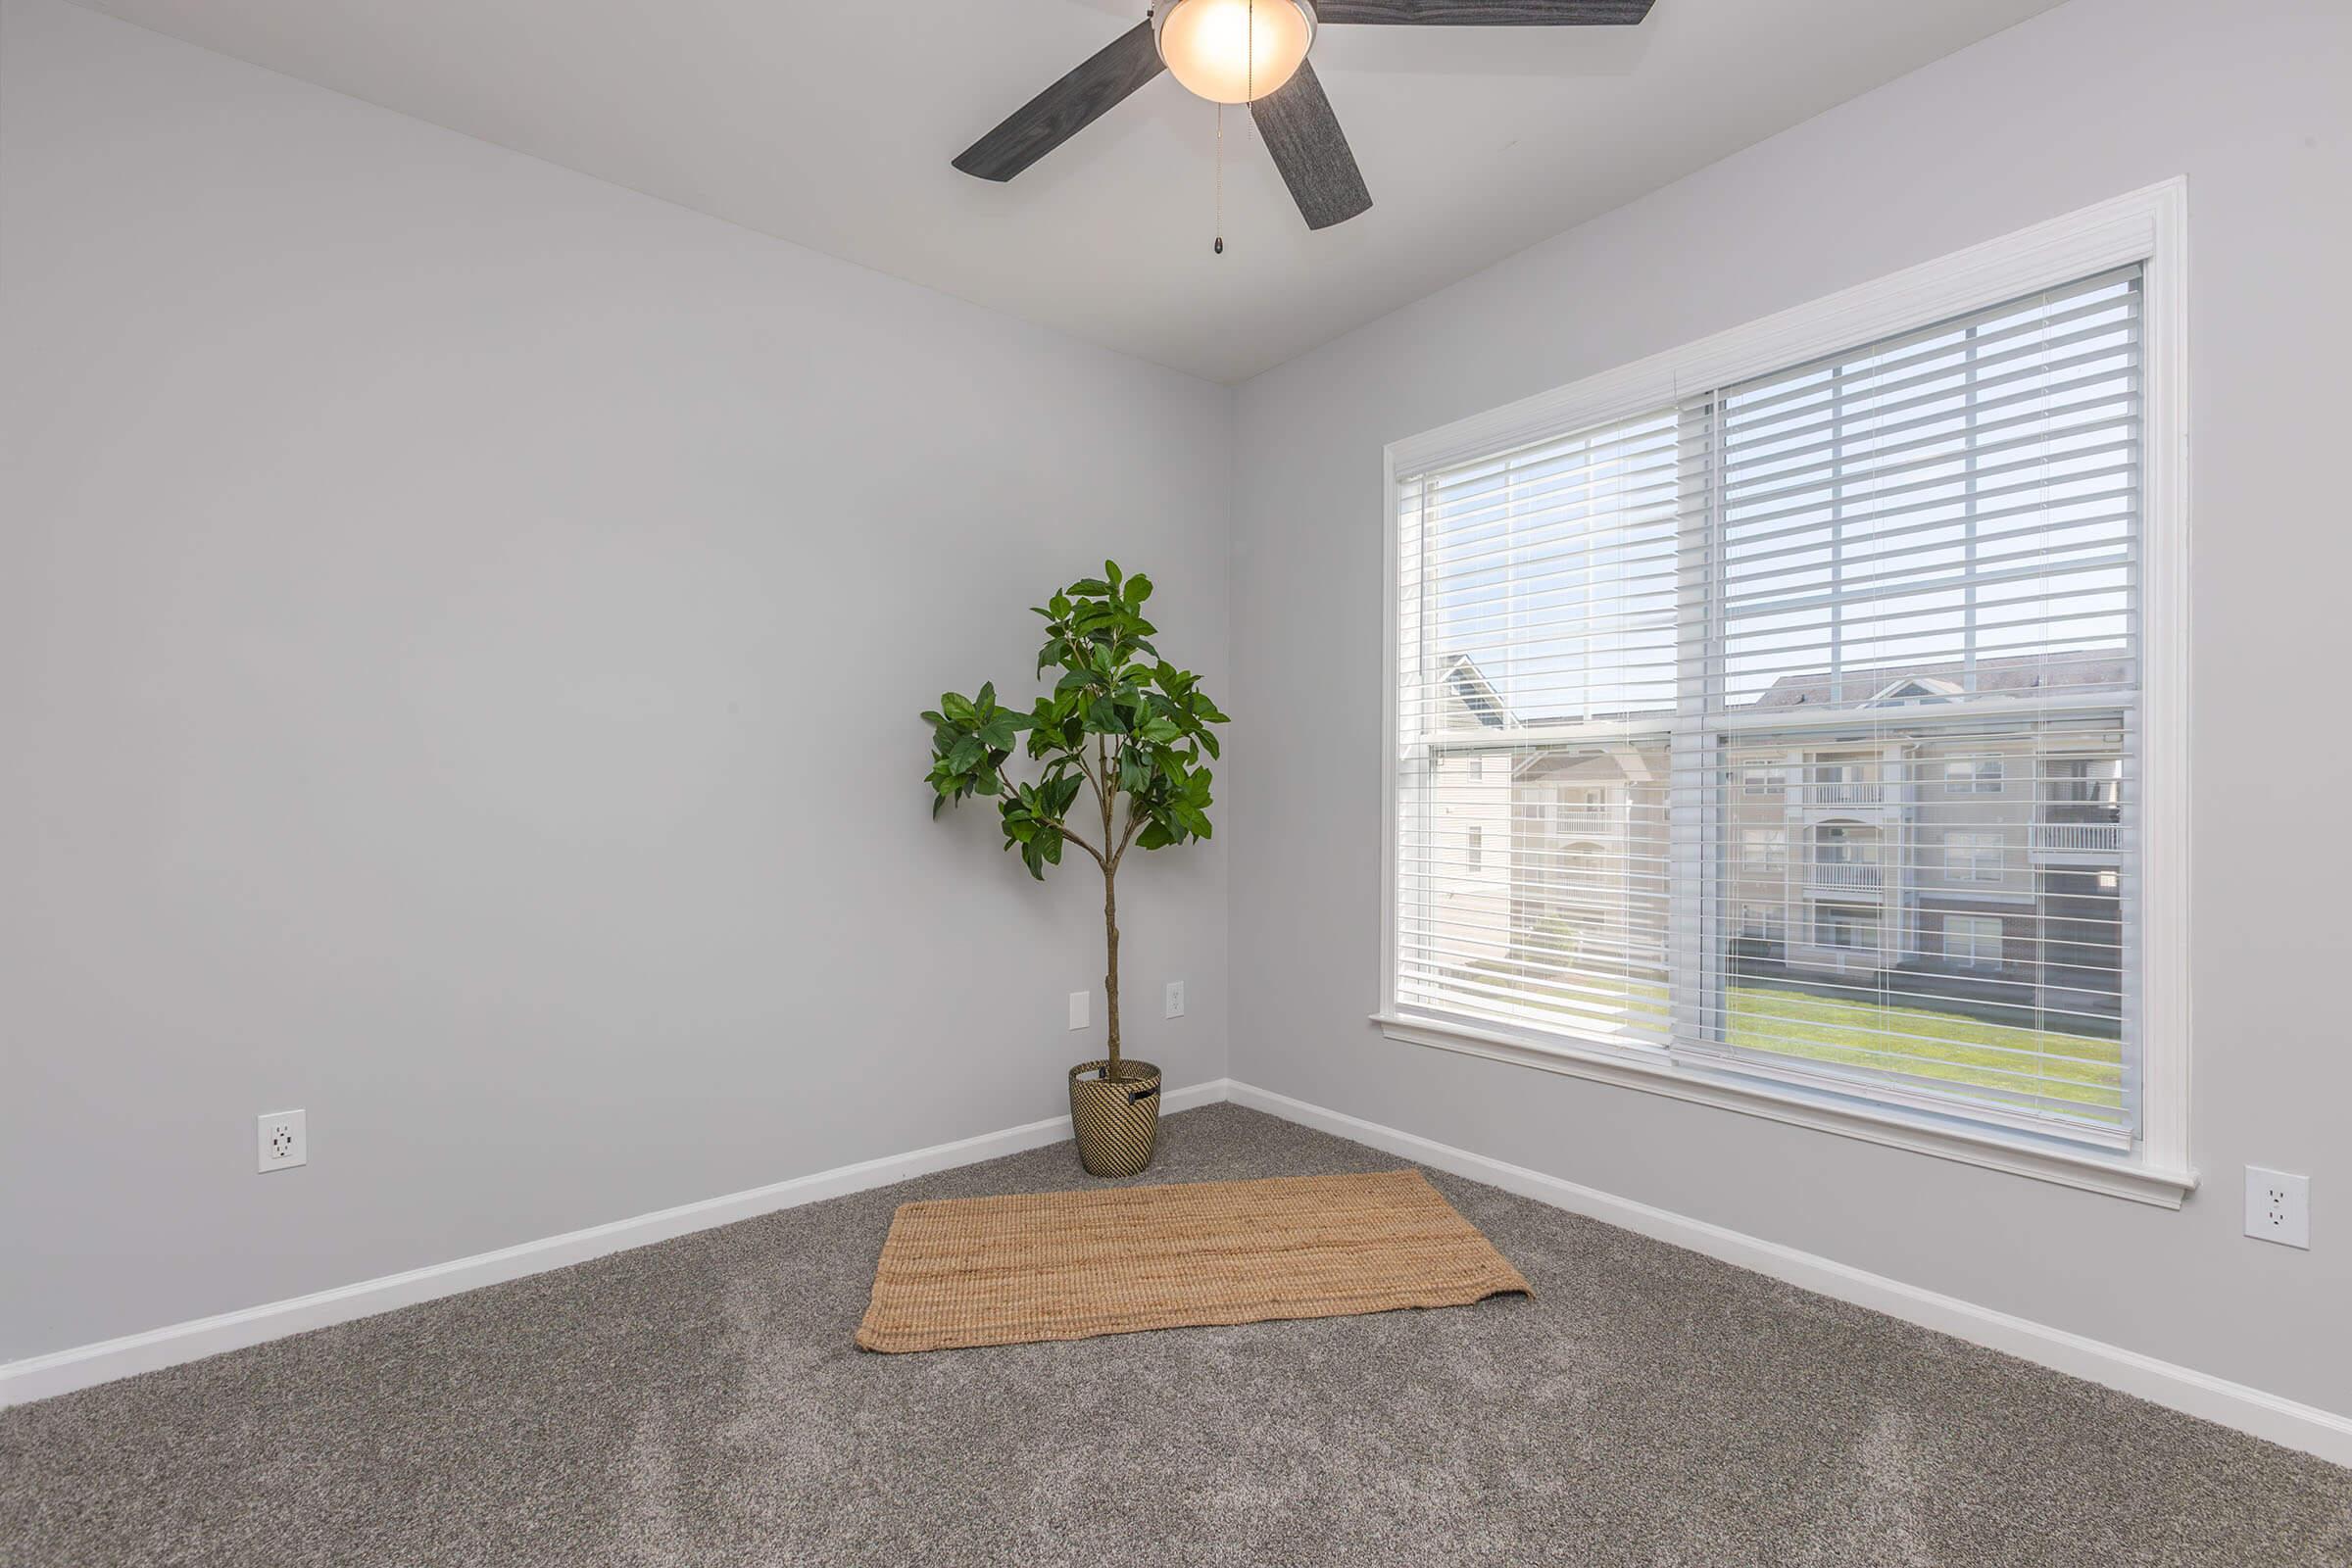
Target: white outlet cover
(1082,1004)
(2279,1206)
(282,1139)
(1175,999)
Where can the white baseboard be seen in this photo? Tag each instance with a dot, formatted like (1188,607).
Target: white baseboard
(84,1365)
(2233,1405)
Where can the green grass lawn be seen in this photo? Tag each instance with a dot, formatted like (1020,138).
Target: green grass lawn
(2085,1071)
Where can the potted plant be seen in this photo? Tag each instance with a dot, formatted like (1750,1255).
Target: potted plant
(1121,725)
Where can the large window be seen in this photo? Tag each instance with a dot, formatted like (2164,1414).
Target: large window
(1894,575)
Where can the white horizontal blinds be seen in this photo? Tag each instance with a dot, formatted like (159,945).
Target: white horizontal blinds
(1925,660)
(1795,728)
(1535,689)
(1961,496)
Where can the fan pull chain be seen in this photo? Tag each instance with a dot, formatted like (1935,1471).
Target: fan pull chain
(1249,91)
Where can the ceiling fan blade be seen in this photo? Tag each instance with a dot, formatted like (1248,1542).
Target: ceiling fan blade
(1311,151)
(1484,12)
(1066,108)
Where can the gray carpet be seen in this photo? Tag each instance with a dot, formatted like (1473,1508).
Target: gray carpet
(699,1402)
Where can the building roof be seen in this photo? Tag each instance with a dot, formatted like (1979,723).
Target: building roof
(1859,686)
(1933,682)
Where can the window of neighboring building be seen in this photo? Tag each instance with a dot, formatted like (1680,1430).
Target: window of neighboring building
(2082,780)
(1845,925)
(1982,775)
(1972,941)
(1901,575)
(1973,857)
(1475,855)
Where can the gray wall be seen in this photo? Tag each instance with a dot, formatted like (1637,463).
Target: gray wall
(2092,100)
(461,631)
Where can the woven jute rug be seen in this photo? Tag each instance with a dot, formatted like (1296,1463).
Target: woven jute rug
(1114,1260)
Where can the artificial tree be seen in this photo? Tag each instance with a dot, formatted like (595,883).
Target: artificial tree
(1120,720)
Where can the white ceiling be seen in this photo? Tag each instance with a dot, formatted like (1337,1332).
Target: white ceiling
(831,123)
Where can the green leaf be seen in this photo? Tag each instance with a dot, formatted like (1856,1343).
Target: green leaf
(988,696)
(1139,589)
(966,755)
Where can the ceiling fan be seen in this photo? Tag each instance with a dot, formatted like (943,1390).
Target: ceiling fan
(1255,52)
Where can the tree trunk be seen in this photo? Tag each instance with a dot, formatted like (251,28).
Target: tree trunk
(1110,977)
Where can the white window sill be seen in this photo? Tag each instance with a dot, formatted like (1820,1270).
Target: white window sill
(2115,1176)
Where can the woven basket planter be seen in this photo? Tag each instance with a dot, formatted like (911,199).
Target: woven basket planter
(1117,1120)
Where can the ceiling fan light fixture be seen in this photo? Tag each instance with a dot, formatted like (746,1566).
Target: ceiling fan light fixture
(1234,51)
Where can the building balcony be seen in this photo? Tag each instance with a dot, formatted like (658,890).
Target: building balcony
(1845,874)
(2093,842)
(1845,794)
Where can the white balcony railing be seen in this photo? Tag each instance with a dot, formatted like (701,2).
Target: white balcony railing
(1844,874)
(1844,794)
(2078,838)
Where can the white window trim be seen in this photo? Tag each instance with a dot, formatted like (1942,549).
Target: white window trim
(2147,226)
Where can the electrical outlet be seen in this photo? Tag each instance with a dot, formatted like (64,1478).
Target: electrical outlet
(2279,1207)
(1081,1008)
(284,1141)
(1175,999)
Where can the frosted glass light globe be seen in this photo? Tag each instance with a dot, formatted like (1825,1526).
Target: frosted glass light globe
(1233,51)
